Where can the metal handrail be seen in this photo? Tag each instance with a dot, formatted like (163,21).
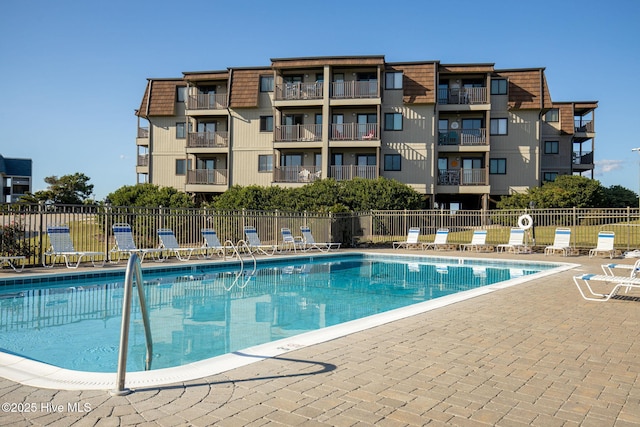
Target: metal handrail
(133,268)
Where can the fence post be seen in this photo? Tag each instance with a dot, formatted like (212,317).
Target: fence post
(41,249)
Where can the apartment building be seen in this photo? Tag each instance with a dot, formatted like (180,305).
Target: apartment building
(461,134)
(16,177)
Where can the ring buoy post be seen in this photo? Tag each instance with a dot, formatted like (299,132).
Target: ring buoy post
(525,222)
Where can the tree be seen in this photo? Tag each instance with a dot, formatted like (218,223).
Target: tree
(618,196)
(149,195)
(567,191)
(68,189)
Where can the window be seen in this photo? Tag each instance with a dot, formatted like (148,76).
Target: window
(265,163)
(266,123)
(266,84)
(393,121)
(180,130)
(497,166)
(549,176)
(552,115)
(181,93)
(498,126)
(499,87)
(551,147)
(393,80)
(182,166)
(392,162)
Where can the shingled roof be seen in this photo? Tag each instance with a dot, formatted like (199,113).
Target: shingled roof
(159,97)
(418,81)
(528,88)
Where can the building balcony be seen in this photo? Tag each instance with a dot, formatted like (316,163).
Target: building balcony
(298,91)
(355,89)
(582,161)
(463,96)
(208,176)
(349,172)
(302,174)
(143,160)
(583,130)
(142,138)
(462,177)
(298,133)
(201,140)
(463,137)
(354,132)
(207,102)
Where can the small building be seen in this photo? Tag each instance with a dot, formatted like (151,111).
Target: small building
(16,178)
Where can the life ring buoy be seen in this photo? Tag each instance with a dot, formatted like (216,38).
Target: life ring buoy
(525,222)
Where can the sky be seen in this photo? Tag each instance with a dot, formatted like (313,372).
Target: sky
(73,72)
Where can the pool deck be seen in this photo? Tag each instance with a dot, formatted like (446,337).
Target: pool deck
(531,354)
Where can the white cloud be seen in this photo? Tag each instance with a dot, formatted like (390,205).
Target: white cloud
(122,157)
(604,166)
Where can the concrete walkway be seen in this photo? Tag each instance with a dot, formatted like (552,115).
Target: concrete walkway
(532,354)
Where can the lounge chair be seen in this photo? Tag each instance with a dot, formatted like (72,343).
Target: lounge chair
(615,282)
(478,242)
(290,242)
(632,270)
(412,239)
(170,244)
(439,242)
(561,242)
(604,245)
(310,242)
(254,243)
(211,244)
(11,262)
(126,246)
(61,246)
(515,244)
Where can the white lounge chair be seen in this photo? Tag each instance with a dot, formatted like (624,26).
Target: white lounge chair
(310,242)
(211,244)
(126,246)
(561,242)
(169,242)
(632,270)
(61,246)
(11,262)
(289,241)
(254,243)
(515,244)
(440,241)
(478,242)
(604,245)
(614,282)
(412,239)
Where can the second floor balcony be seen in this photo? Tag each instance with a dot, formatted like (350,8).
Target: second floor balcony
(349,172)
(354,132)
(208,139)
(463,137)
(583,158)
(143,160)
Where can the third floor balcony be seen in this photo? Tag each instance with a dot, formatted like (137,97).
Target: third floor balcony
(463,96)
(207,101)
(215,139)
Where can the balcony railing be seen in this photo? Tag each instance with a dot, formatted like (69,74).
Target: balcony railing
(295,91)
(463,137)
(581,126)
(476,176)
(584,159)
(208,139)
(296,173)
(143,132)
(291,133)
(355,89)
(207,176)
(143,160)
(464,95)
(207,101)
(354,131)
(345,173)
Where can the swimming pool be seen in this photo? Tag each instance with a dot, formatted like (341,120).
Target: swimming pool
(198,312)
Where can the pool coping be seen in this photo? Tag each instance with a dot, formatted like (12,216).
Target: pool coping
(37,374)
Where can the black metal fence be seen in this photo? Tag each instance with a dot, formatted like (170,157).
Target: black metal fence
(23,228)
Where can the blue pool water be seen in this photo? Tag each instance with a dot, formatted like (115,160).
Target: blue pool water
(199,312)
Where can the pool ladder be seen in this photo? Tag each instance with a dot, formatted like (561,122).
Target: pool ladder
(134,269)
